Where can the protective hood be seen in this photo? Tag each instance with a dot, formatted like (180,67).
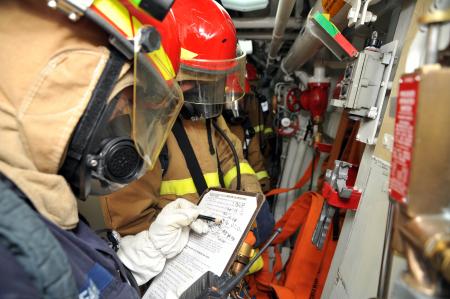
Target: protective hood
(50,67)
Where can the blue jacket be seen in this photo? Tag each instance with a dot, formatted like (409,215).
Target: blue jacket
(41,260)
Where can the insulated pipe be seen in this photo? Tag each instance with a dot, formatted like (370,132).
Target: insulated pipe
(284,10)
(304,79)
(243,34)
(301,161)
(281,198)
(306,44)
(266,23)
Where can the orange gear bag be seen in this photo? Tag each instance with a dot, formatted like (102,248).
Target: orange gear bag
(305,273)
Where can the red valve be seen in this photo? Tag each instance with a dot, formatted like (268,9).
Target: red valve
(293,100)
(315,99)
(289,130)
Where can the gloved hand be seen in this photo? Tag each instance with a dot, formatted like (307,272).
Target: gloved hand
(145,253)
(170,231)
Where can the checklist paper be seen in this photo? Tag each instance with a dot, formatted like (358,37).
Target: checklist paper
(209,252)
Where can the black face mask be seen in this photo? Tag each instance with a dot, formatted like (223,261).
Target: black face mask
(102,157)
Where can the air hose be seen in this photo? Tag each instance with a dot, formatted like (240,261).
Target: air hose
(235,155)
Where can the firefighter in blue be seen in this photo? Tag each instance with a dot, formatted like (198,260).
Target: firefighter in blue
(66,132)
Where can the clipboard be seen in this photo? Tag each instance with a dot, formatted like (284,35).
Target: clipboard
(260,198)
(211,254)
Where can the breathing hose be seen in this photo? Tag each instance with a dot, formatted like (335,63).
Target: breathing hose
(233,150)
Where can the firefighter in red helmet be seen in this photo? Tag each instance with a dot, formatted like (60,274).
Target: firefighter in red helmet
(209,58)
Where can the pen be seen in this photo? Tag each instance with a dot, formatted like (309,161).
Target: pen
(209,218)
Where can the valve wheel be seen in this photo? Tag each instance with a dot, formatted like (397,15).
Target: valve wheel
(293,100)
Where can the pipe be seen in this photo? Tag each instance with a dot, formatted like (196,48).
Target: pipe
(304,79)
(266,23)
(306,44)
(284,10)
(431,51)
(279,209)
(300,163)
(262,36)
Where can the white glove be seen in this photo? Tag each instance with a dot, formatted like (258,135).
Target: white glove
(170,231)
(145,253)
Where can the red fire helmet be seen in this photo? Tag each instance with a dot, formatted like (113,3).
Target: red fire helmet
(207,34)
(209,54)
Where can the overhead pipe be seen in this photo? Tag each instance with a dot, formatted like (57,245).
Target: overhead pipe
(266,23)
(263,36)
(306,45)
(284,11)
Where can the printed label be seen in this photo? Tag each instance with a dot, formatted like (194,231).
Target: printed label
(405,121)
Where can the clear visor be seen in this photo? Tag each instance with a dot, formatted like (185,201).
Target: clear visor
(206,82)
(157,100)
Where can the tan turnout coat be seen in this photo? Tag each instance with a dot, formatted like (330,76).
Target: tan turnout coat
(133,208)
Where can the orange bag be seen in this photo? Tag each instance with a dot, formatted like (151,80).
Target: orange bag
(306,271)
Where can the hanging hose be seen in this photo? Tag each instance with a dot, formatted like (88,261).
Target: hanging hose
(235,155)
(209,135)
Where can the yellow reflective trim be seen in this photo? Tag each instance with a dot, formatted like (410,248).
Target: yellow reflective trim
(117,13)
(162,61)
(262,174)
(268,130)
(258,265)
(187,55)
(187,186)
(159,57)
(232,173)
(258,128)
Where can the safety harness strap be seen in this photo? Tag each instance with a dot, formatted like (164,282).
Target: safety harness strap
(164,159)
(189,156)
(300,183)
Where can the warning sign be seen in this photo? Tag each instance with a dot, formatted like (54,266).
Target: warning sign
(405,121)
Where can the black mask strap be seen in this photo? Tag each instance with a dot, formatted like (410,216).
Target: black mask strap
(92,115)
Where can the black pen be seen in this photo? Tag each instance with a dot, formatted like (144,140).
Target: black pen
(209,218)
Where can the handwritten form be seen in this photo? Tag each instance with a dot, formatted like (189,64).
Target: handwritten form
(210,252)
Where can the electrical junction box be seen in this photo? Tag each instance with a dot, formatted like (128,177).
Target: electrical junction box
(364,87)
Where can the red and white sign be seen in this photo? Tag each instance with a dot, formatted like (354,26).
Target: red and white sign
(405,121)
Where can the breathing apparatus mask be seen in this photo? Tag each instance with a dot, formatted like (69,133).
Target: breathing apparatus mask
(126,122)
